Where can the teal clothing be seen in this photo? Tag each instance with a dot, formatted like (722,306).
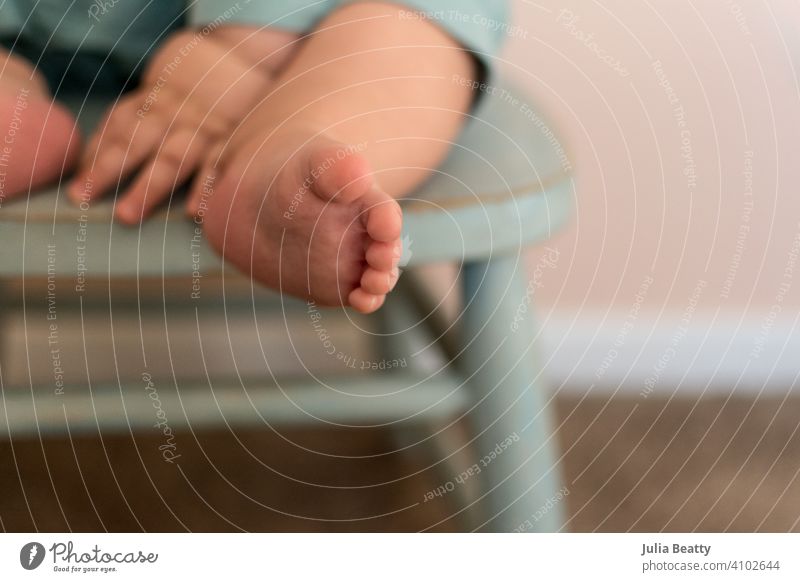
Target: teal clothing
(108,41)
(479,25)
(124,31)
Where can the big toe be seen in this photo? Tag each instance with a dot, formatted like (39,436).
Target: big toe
(382,216)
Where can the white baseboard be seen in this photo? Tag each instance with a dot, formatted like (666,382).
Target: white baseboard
(743,353)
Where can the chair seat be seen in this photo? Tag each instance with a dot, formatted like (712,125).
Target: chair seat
(506,184)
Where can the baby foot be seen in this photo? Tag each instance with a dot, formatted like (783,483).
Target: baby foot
(38,139)
(305,218)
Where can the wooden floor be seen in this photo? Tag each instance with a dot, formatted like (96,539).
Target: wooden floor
(685,465)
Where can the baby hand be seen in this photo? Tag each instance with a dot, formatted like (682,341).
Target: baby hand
(194,93)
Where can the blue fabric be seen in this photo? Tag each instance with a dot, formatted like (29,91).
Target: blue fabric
(479,25)
(86,41)
(295,15)
(124,30)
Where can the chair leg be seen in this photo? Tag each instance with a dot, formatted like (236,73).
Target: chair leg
(428,442)
(11,303)
(514,442)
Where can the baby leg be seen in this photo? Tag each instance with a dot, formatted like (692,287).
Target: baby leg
(304,197)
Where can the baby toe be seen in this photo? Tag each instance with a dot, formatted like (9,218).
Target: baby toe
(383,256)
(379,282)
(365,302)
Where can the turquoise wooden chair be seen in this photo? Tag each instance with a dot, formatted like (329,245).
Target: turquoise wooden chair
(505,186)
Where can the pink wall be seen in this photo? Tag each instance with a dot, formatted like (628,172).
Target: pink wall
(661,193)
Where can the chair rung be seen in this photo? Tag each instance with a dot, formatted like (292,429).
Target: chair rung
(364,401)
